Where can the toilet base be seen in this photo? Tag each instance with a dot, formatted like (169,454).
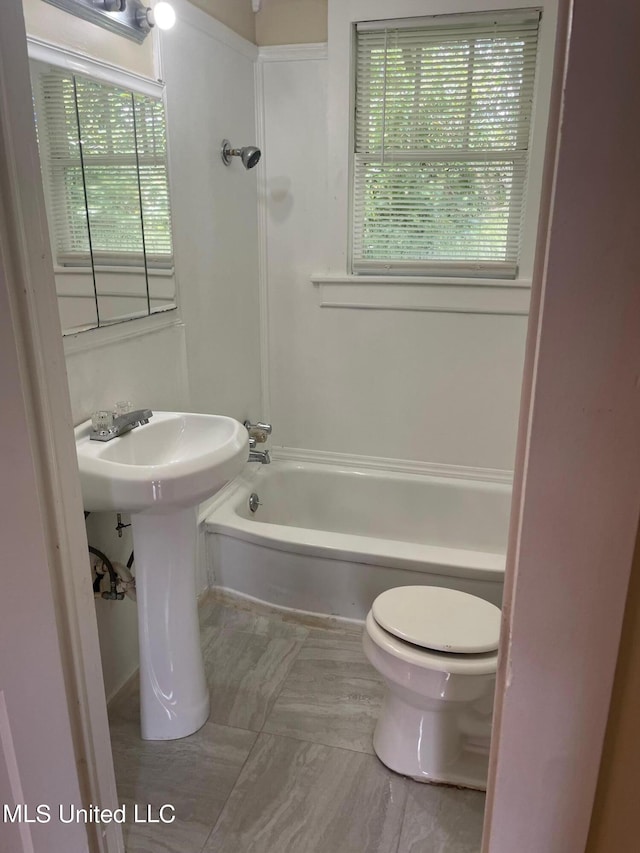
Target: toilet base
(470,771)
(429,745)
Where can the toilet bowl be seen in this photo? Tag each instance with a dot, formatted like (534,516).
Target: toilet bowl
(437,651)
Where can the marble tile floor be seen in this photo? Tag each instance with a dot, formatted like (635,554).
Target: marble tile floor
(285,762)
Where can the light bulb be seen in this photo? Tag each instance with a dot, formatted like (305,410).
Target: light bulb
(164,15)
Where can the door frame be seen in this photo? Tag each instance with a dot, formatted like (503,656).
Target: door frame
(576,500)
(36,325)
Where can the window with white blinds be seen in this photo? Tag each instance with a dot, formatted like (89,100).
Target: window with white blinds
(103,151)
(442,126)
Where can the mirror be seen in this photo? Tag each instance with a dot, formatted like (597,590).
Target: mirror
(104,162)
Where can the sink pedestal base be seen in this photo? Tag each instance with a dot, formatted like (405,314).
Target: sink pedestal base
(174,699)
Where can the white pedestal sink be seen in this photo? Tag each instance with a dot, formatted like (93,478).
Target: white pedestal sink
(160,472)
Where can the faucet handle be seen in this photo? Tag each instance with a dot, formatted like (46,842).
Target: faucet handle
(102,421)
(259,431)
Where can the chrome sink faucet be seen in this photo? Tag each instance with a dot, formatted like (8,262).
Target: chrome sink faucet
(107,425)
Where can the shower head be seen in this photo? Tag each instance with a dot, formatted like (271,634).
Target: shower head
(249,154)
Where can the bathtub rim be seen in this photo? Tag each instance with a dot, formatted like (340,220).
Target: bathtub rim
(219,517)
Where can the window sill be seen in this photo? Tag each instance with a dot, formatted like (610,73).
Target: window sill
(159,272)
(417,293)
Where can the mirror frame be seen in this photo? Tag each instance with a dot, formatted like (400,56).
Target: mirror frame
(103,72)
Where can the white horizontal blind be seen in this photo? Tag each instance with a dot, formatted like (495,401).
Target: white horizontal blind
(59,142)
(151,135)
(442,126)
(104,154)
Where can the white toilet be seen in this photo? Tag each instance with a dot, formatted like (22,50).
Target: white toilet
(437,650)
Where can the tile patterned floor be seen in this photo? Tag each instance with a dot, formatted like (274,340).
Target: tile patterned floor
(284,764)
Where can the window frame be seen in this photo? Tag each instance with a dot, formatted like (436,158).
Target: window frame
(344,15)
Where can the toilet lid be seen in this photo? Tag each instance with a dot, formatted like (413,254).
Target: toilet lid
(445,620)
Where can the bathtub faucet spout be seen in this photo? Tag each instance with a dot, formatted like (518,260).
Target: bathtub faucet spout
(258,455)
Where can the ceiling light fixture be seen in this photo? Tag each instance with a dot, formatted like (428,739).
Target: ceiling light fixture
(129,18)
(161,16)
(164,15)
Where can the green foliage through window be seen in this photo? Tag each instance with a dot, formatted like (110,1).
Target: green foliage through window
(442,125)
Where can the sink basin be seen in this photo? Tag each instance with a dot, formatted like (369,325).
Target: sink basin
(175,460)
(160,472)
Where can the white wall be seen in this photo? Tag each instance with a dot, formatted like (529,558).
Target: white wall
(148,369)
(207,359)
(416,385)
(209,73)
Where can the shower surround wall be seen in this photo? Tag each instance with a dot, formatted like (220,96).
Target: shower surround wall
(209,72)
(403,384)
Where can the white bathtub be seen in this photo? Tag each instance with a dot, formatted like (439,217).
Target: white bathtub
(329,538)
